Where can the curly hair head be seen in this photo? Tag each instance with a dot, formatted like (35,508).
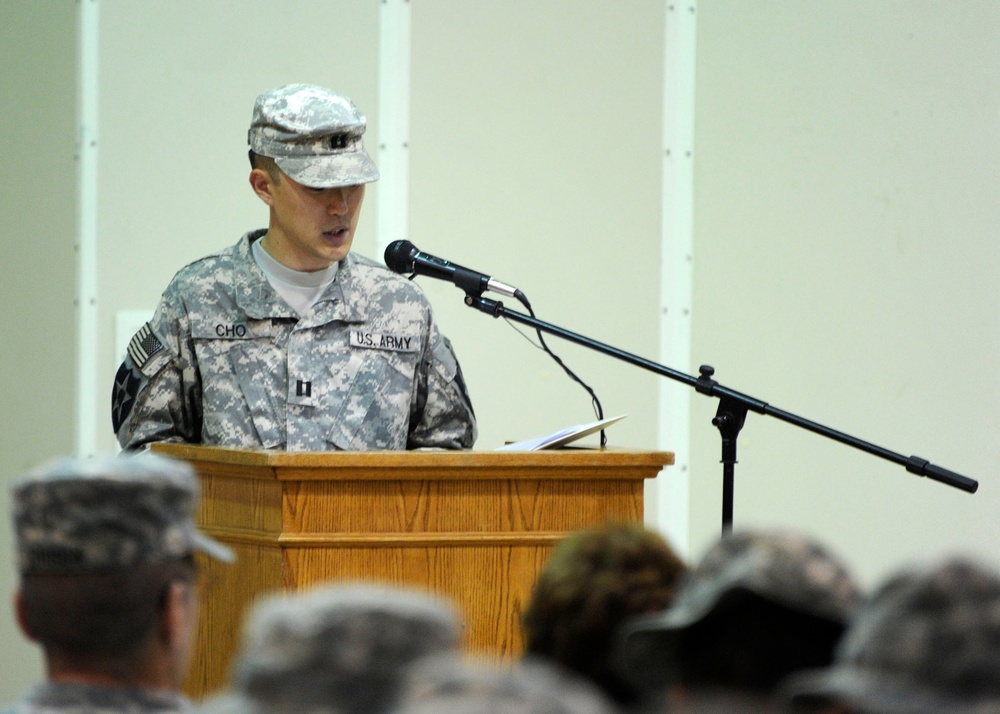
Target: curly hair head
(593,580)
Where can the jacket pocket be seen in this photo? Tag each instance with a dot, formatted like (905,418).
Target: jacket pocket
(374,411)
(243,381)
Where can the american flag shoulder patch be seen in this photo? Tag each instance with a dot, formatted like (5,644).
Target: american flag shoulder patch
(144,344)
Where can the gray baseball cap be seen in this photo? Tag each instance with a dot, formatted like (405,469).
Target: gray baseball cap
(785,568)
(90,515)
(313,134)
(341,648)
(927,641)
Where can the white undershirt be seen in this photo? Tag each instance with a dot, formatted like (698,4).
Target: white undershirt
(298,288)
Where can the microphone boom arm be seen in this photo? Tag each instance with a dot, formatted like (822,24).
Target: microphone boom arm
(733,406)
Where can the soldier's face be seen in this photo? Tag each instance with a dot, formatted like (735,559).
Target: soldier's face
(310,228)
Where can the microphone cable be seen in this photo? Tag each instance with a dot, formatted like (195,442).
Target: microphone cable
(595,402)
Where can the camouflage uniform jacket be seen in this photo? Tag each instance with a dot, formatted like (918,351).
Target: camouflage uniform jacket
(226,361)
(72,698)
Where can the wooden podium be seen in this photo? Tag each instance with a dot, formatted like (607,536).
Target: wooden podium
(473,526)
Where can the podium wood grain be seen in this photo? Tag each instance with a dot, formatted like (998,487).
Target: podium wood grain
(473,526)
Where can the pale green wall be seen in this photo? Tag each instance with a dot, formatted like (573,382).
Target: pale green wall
(535,157)
(37,270)
(846,253)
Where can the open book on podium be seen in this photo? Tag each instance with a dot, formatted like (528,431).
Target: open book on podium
(472,526)
(561,437)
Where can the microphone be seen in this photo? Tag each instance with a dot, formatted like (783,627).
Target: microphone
(403,257)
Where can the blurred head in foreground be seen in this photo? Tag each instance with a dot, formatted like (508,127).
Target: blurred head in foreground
(928,641)
(336,648)
(107,575)
(448,685)
(757,607)
(592,582)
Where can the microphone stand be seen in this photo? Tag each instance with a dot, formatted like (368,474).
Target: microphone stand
(732,409)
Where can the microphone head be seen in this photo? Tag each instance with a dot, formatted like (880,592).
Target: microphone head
(399,256)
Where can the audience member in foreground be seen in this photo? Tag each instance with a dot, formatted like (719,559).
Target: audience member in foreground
(447,685)
(593,580)
(342,649)
(758,607)
(928,641)
(105,552)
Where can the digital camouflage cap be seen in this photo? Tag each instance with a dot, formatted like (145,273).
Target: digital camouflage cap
(787,569)
(928,641)
(92,515)
(449,685)
(313,134)
(342,648)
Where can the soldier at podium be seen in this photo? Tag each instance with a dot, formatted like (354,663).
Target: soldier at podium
(288,340)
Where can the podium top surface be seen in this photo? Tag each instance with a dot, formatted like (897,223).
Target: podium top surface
(416,461)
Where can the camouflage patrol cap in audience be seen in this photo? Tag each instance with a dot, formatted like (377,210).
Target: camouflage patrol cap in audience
(449,685)
(928,641)
(91,515)
(787,569)
(313,134)
(343,648)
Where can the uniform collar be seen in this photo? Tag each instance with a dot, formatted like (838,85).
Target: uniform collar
(96,698)
(342,300)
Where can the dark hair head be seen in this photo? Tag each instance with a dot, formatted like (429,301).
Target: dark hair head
(594,580)
(106,615)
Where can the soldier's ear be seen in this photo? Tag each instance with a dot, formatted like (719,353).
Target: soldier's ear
(22,620)
(177,627)
(262,185)
(174,615)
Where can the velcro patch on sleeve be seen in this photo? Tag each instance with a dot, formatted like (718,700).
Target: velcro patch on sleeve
(144,344)
(123,395)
